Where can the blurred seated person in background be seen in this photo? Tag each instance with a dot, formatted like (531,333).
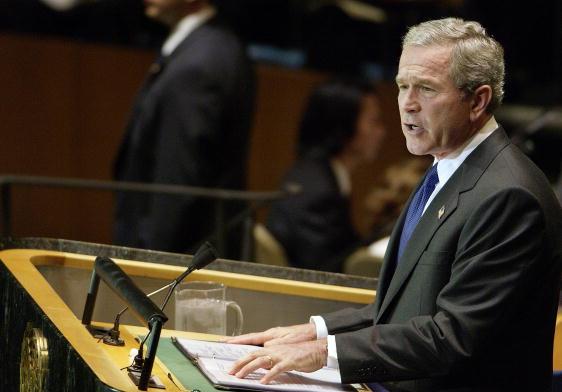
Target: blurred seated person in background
(383,206)
(340,130)
(189,126)
(385,203)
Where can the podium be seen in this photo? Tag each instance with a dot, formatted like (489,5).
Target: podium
(45,347)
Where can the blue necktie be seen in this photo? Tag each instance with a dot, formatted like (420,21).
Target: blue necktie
(376,387)
(413,215)
(416,207)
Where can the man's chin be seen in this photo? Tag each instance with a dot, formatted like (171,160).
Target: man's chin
(416,149)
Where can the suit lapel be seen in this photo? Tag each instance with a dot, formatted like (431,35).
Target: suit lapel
(387,271)
(423,233)
(440,209)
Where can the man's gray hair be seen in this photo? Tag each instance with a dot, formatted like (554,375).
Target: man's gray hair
(476,58)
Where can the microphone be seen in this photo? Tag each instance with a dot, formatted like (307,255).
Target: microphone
(205,255)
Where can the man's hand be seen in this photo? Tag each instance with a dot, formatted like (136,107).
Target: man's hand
(304,357)
(279,335)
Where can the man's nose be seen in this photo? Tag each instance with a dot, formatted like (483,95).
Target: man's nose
(409,101)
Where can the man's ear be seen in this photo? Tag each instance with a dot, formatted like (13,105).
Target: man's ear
(480,100)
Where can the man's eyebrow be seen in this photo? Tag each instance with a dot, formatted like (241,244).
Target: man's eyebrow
(414,80)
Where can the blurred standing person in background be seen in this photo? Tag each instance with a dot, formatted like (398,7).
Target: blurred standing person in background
(341,129)
(189,126)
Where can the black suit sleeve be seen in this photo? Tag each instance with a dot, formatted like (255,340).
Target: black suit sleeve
(350,319)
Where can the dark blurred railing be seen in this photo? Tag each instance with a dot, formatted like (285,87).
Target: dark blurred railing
(253,200)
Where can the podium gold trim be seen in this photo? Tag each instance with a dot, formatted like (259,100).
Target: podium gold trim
(105,361)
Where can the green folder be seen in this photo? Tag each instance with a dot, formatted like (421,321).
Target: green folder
(181,368)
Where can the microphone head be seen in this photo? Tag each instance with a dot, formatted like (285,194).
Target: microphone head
(205,255)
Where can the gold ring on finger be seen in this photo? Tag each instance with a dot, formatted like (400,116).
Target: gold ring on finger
(270,361)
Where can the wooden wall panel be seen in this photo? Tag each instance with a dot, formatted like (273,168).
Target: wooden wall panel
(281,96)
(37,125)
(64,105)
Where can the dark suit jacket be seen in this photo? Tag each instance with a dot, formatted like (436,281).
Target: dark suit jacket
(314,227)
(189,126)
(472,304)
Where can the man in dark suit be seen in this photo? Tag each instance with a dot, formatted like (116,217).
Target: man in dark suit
(189,126)
(468,293)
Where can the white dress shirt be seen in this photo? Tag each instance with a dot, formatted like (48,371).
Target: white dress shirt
(342,176)
(185,26)
(447,166)
(445,169)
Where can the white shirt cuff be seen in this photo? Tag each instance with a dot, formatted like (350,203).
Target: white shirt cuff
(333,354)
(322,332)
(321,328)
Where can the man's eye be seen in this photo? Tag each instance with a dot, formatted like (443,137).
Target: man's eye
(425,88)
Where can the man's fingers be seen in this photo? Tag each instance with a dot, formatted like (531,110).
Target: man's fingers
(258,363)
(288,339)
(251,338)
(272,342)
(236,366)
(267,362)
(255,338)
(273,373)
(277,335)
(307,357)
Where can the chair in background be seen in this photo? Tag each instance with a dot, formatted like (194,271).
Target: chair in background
(267,249)
(366,261)
(362,263)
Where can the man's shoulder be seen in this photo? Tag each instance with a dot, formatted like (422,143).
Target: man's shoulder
(217,35)
(500,163)
(511,172)
(512,167)
(212,50)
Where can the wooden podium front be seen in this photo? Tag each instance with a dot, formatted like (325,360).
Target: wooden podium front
(45,347)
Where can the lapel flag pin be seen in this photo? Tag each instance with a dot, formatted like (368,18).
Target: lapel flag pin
(441,212)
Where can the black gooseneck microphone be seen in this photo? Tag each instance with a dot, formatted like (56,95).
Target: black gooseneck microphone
(205,255)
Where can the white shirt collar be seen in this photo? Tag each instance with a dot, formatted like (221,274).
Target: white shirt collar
(448,166)
(342,177)
(185,26)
